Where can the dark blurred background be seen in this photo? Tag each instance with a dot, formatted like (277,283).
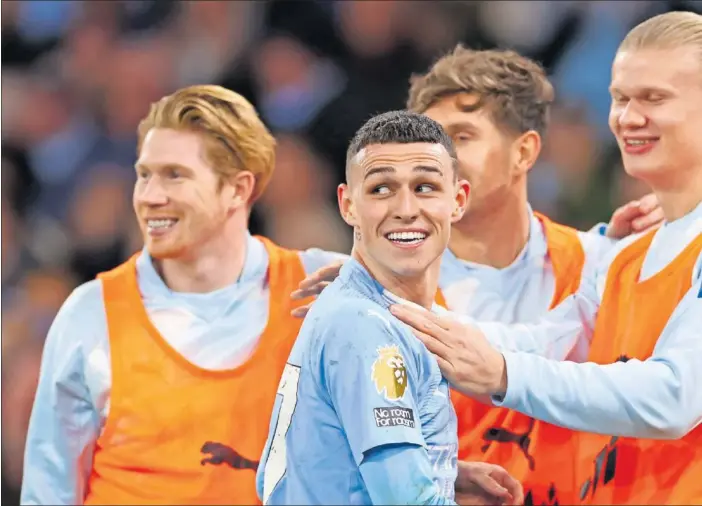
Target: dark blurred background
(77,76)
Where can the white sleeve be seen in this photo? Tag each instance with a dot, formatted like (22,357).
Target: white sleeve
(658,398)
(564,332)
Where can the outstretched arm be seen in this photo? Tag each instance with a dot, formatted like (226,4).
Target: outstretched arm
(656,398)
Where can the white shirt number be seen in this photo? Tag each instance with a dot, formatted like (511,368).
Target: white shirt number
(276,462)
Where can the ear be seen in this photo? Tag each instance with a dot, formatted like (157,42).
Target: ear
(462,193)
(527,148)
(240,188)
(346,205)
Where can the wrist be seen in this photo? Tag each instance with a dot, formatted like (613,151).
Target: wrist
(499,384)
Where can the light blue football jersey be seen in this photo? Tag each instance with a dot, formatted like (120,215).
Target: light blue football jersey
(357,380)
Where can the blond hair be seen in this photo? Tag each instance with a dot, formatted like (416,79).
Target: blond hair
(235,136)
(666,31)
(515,89)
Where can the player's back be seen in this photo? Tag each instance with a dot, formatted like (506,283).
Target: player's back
(357,379)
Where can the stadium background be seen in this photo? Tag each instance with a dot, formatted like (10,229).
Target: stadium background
(78,76)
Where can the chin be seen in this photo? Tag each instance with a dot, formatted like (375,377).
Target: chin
(409,268)
(163,251)
(640,169)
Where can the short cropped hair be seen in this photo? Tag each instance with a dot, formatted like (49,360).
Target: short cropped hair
(514,88)
(235,136)
(399,127)
(666,31)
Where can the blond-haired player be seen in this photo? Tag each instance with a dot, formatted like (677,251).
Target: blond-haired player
(158,378)
(639,315)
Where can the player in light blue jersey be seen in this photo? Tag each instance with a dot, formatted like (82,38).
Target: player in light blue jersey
(363,414)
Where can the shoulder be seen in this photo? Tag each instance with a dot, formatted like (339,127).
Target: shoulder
(620,246)
(597,248)
(342,310)
(602,250)
(86,300)
(595,243)
(314,258)
(80,316)
(347,322)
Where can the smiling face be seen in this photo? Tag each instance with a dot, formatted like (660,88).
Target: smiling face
(402,200)
(656,111)
(487,155)
(180,202)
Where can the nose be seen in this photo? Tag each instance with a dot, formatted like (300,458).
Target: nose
(631,117)
(406,205)
(150,192)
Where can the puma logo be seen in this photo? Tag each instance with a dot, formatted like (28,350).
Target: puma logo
(500,435)
(218,454)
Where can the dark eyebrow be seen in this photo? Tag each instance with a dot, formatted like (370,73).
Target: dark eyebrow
(377,170)
(417,168)
(461,125)
(427,168)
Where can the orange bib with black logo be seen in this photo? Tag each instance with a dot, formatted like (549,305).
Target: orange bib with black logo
(177,433)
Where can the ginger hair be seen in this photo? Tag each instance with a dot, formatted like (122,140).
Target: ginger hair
(236,138)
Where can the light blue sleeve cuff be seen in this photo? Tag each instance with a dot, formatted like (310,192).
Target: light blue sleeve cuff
(515,382)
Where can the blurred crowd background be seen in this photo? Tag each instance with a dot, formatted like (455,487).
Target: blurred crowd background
(77,76)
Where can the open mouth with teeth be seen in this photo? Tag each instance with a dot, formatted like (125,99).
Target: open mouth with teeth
(160,225)
(406,238)
(639,146)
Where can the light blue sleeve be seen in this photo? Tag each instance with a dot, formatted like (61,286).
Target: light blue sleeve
(371,379)
(564,332)
(658,398)
(64,425)
(400,474)
(315,258)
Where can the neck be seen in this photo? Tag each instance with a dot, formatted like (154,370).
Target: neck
(216,264)
(495,236)
(420,289)
(679,198)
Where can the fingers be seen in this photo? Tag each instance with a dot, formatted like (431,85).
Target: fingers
(444,366)
(648,221)
(509,483)
(438,348)
(443,322)
(313,284)
(648,203)
(470,476)
(420,319)
(415,318)
(328,273)
(620,224)
(314,290)
(627,212)
(300,312)
(491,486)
